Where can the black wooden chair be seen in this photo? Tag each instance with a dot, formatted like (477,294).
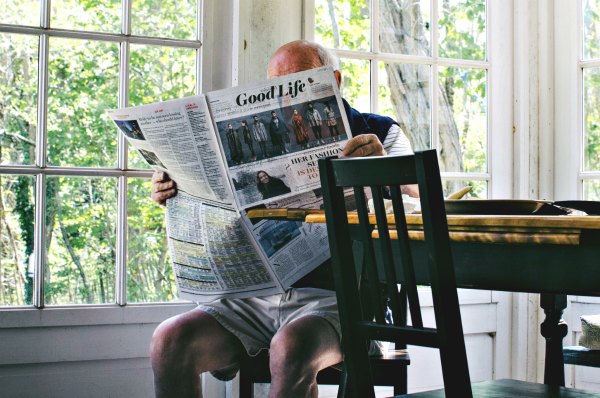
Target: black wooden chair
(390,371)
(392,258)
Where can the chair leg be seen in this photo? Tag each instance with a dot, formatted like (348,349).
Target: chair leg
(246,387)
(343,383)
(402,387)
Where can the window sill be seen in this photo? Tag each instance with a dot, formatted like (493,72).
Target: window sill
(89,315)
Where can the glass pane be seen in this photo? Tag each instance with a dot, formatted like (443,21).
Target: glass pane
(343,24)
(404,27)
(20,12)
(356,78)
(149,270)
(16,240)
(405,95)
(97,15)
(462,28)
(81,219)
(591,118)
(591,29)
(18,98)
(175,19)
(591,190)
(463,119)
(479,188)
(159,74)
(83,83)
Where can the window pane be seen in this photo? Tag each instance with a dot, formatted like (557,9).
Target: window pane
(18,96)
(591,29)
(159,74)
(97,15)
(479,188)
(149,270)
(404,27)
(462,28)
(591,118)
(463,119)
(356,78)
(343,24)
(16,240)
(591,190)
(83,82)
(405,95)
(20,12)
(174,19)
(81,219)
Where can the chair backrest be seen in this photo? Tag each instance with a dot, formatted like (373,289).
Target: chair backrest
(388,259)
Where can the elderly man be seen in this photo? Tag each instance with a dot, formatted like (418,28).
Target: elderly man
(300,327)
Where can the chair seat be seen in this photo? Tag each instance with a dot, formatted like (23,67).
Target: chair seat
(386,368)
(578,355)
(513,388)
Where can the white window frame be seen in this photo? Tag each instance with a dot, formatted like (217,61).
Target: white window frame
(499,66)
(568,135)
(40,170)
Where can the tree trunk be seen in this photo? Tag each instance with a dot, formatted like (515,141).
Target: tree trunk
(410,87)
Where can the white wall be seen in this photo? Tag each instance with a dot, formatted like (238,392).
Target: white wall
(80,351)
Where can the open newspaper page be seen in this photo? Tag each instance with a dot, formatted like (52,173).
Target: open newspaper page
(213,256)
(272,133)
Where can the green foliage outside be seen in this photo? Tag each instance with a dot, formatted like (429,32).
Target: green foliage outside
(81,212)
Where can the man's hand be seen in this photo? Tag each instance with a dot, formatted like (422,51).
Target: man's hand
(162,187)
(363,145)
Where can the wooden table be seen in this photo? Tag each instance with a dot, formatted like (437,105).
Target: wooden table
(551,255)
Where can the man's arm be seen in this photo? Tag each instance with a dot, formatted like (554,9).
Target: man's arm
(163,187)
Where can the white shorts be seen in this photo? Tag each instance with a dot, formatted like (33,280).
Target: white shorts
(255,320)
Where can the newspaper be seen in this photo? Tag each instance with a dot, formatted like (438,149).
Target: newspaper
(229,151)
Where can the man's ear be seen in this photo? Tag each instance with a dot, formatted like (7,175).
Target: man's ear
(338,77)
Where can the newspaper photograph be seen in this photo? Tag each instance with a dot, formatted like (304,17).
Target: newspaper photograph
(273,132)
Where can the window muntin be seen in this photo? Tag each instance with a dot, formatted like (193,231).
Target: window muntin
(79,172)
(455,55)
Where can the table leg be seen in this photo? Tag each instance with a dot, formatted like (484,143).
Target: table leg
(554,329)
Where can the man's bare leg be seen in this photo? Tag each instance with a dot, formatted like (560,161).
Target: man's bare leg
(186,345)
(298,352)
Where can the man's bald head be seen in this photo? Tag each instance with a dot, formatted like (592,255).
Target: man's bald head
(301,55)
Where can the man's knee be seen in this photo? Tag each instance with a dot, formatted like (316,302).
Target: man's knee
(168,339)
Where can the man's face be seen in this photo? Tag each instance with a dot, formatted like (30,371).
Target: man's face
(256,118)
(274,115)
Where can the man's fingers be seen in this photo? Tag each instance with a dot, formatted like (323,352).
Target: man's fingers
(363,145)
(160,176)
(162,196)
(162,187)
